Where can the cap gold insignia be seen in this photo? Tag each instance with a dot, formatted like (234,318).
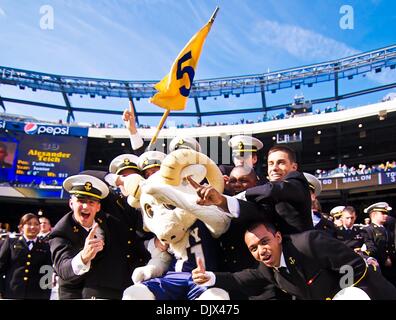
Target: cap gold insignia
(292,260)
(127,162)
(181,141)
(145,162)
(88,186)
(75,229)
(240,145)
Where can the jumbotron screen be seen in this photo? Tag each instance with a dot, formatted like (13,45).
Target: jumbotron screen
(38,158)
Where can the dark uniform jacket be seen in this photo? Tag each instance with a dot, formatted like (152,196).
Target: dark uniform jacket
(314,261)
(45,238)
(287,203)
(380,243)
(325,225)
(110,271)
(21,268)
(353,238)
(235,256)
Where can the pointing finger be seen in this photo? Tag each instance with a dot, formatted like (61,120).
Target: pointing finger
(125,116)
(92,233)
(194,184)
(131,107)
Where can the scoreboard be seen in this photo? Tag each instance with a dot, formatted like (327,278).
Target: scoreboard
(50,157)
(42,157)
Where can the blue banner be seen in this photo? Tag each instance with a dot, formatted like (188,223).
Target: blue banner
(32,128)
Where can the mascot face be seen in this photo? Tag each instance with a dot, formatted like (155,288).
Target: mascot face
(166,221)
(166,196)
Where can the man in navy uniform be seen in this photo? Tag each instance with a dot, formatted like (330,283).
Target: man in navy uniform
(90,248)
(45,229)
(244,153)
(349,233)
(309,265)
(319,221)
(234,256)
(380,241)
(285,198)
(150,162)
(116,202)
(336,214)
(180,142)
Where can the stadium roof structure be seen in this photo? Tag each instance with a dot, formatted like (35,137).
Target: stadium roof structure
(331,71)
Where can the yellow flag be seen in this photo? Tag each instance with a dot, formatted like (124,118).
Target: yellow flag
(175,87)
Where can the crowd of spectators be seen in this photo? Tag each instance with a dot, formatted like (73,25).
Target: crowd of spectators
(345,171)
(108,125)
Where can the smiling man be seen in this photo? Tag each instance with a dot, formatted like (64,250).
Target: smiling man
(90,248)
(285,198)
(310,265)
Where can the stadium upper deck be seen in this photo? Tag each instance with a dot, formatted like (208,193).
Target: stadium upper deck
(331,71)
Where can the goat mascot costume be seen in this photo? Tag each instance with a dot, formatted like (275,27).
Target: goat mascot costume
(170,211)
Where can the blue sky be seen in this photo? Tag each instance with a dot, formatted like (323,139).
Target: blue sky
(139,39)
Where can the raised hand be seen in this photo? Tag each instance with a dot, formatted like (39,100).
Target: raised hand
(129,119)
(208,195)
(92,246)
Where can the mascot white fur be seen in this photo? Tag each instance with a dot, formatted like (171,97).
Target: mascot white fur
(170,211)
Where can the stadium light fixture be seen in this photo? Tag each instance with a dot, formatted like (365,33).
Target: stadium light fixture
(100,161)
(319,132)
(360,147)
(318,153)
(360,125)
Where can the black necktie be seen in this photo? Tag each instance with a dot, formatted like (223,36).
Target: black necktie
(282,277)
(30,244)
(283,271)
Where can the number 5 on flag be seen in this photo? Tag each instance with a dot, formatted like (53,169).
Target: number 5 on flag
(190,72)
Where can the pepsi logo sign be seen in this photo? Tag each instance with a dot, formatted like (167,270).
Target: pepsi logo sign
(30,128)
(33,128)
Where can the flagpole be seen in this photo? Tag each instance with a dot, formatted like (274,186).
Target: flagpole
(160,125)
(213,17)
